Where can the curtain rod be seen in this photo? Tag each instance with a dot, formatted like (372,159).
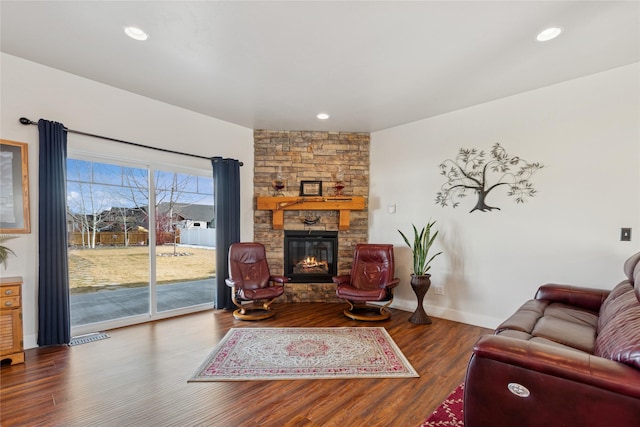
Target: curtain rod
(26,121)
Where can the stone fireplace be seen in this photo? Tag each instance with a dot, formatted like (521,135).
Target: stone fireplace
(311,156)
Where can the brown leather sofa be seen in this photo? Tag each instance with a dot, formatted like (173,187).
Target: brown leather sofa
(569,357)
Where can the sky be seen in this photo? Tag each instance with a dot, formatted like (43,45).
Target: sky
(93,187)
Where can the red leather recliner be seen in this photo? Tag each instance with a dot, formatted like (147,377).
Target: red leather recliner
(251,281)
(371,279)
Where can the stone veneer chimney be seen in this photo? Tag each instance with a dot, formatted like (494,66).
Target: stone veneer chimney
(311,156)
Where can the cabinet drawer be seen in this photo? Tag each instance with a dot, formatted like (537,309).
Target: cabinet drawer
(10,291)
(10,302)
(11,336)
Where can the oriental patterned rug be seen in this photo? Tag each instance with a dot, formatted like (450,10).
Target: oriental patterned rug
(304,353)
(449,413)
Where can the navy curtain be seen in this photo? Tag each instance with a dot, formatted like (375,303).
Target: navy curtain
(54,320)
(226,193)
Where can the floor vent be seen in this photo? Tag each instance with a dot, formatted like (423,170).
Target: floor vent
(83,339)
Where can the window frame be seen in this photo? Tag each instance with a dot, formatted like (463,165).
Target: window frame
(151,167)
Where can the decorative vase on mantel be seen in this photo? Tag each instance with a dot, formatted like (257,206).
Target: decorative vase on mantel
(420,285)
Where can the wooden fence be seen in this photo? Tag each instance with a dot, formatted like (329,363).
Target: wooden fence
(110,238)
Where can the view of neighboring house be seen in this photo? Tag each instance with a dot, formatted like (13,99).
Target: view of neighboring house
(113,219)
(187,216)
(131,225)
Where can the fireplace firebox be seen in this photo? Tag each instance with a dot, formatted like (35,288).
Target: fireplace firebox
(310,256)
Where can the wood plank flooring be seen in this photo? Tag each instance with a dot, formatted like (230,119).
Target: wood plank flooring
(138,377)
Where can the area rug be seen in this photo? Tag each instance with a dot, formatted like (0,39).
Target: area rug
(449,413)
(246,354)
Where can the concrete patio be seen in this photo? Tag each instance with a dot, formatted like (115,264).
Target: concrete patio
(113,304)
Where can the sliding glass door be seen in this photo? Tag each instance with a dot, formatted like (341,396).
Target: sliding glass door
(141,242)
(185,240)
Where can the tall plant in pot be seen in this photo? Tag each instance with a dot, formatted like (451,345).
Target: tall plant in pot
(420,279)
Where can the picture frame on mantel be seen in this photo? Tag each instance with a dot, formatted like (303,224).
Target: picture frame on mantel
(14,187)
(311,188)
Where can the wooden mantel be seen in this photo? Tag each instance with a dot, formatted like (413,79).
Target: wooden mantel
(343,204)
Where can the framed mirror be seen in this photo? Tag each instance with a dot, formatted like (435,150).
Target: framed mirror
(14,187)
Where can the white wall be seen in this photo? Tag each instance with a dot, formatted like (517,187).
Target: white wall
(586,132)
(34,91)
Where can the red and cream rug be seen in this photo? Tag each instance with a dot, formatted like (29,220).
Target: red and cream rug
(449,413)
(304,353)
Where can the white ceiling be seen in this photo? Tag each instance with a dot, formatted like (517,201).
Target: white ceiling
(370,65)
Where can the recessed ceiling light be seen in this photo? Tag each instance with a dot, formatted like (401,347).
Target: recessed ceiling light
(549,34)
(136,33)
(323,116)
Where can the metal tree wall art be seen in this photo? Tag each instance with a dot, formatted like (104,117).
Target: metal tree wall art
(474,170)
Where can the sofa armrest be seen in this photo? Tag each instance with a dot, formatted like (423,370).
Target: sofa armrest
(559,362)
(587,298)
(508,378)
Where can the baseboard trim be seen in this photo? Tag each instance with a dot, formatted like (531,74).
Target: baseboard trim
(30,341)
(450,314)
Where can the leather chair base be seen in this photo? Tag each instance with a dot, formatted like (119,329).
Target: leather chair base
(367,313)
(252,310)
(253,314)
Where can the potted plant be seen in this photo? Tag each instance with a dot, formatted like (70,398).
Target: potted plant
(420,279)
(5,251)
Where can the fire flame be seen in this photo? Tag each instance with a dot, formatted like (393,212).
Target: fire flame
(310,262)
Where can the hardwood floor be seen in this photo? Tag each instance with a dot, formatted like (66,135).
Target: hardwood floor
(138,377)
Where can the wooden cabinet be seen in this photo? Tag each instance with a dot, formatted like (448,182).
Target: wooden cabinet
(11,340)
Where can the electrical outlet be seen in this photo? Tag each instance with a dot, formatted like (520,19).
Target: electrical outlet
(438,290)
(625,234)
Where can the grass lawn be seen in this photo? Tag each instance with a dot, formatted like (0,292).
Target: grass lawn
(92,270)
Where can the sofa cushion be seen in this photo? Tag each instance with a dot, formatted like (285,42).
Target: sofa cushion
(632,266)
(580,335)
(572,314)
(636,280)
(544,321)
(528,337)
(618,337)
(612,305)
(525,318)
